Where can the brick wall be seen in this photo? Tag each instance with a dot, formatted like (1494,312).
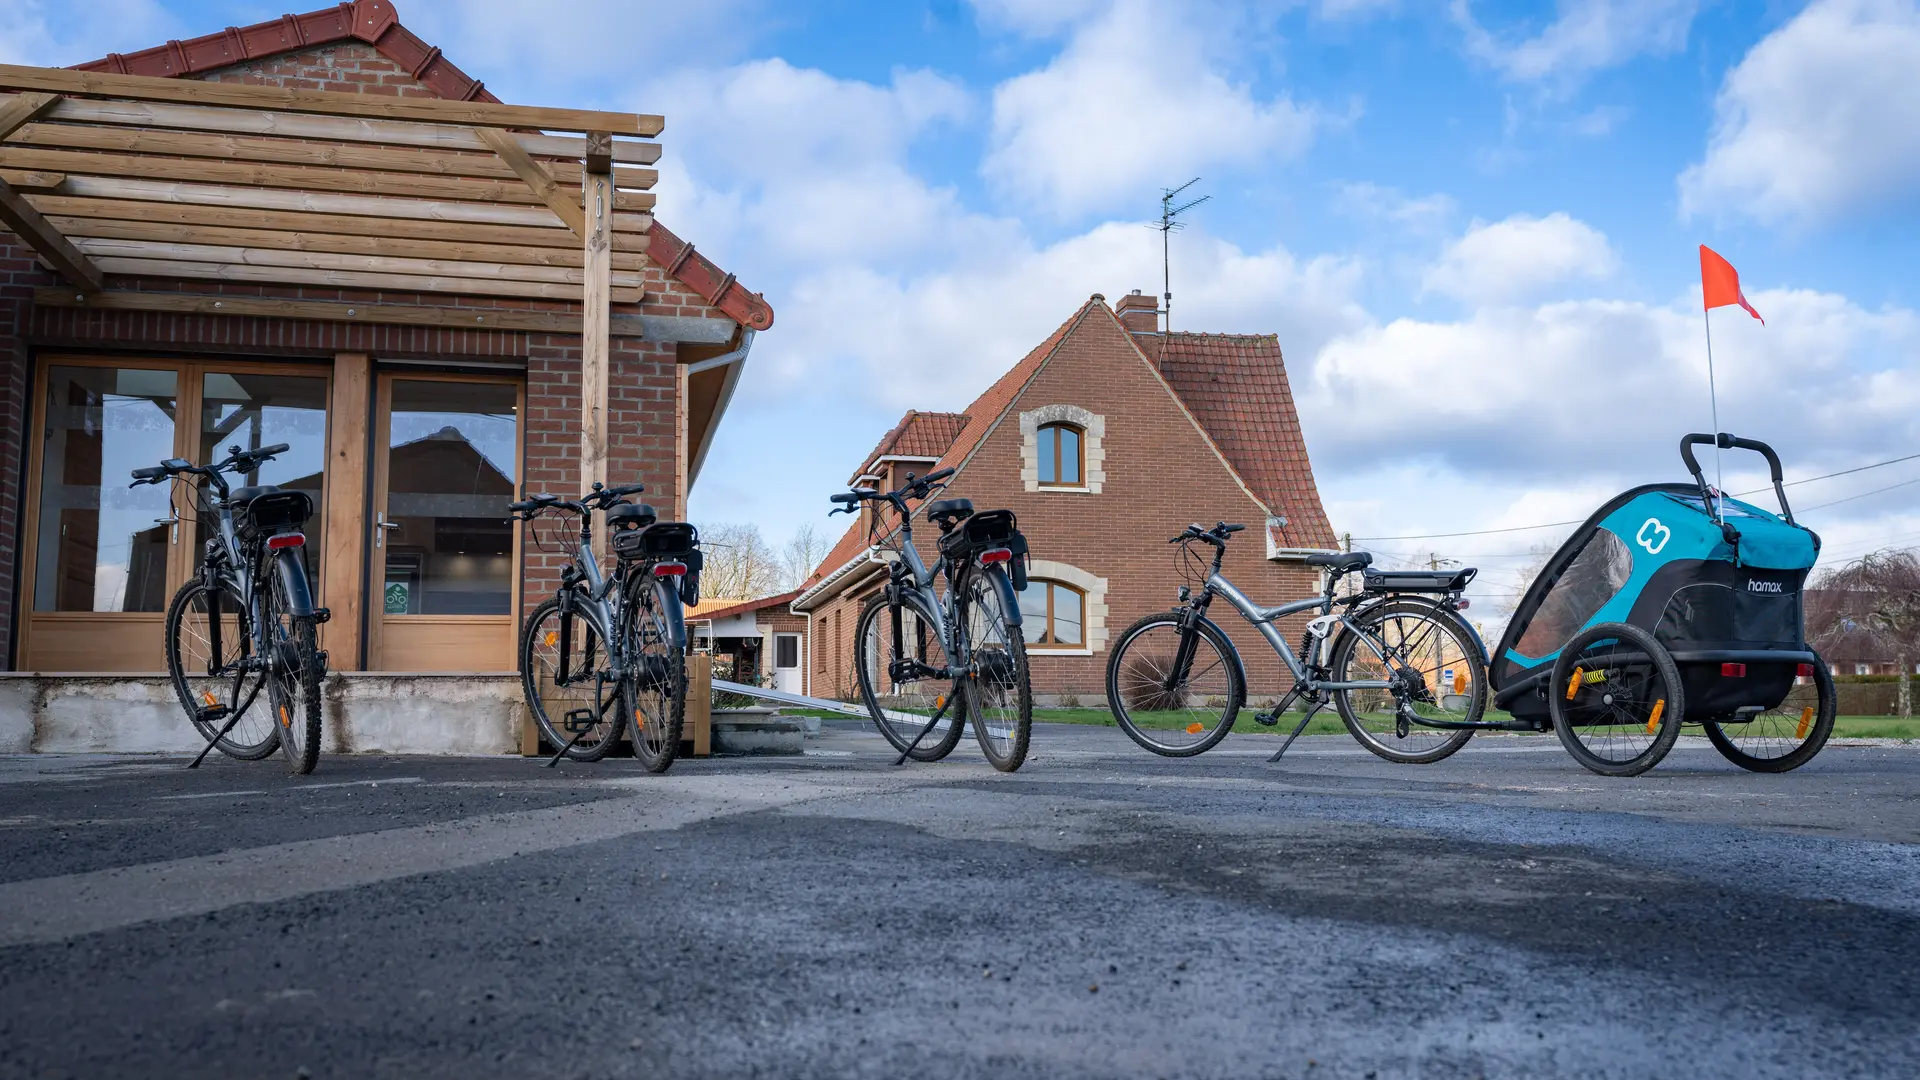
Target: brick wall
(19,274)
(1161,475)
(350,67)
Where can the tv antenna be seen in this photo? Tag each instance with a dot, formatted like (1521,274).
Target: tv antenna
(1168,226)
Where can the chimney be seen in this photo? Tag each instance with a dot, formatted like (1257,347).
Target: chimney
(1139,315)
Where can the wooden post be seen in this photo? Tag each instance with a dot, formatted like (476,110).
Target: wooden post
(343,569)
(594,328)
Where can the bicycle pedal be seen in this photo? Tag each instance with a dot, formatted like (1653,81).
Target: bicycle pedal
(1266,719)
(211,714)
(580,720)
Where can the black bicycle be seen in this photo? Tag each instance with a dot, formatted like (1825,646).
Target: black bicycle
(926,663)
(604,648)
(246,620)
(1407,673)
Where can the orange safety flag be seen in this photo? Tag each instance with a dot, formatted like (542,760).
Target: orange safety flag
(1720,283)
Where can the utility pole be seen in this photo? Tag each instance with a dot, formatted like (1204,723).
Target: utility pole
(1168,226)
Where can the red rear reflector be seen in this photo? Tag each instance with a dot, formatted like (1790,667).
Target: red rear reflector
(1463,604)
(1806,671)
(286,540)
(669,569)
(996,555)
(1734,671)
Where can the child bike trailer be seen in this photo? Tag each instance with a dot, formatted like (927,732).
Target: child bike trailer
(1673,604)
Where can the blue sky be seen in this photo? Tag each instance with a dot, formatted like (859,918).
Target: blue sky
(1472,223)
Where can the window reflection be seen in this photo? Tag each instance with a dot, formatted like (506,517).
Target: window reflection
(451,471)
(251,411)
(103,545)
(1052,614)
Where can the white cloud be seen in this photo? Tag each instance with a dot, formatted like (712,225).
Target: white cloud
(50,34)
(1133,101)
(1519,258)
(1377,202)
(1588,36)
(1821,119)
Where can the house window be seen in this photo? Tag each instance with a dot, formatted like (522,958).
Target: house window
(1061,455)
(786,650)
(1863,669)
(1055,615)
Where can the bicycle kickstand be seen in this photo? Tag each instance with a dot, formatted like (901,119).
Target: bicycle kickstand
(211,743)
(931,724)
(1315,707)
(575,741)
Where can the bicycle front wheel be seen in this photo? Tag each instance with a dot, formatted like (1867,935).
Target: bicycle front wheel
(1176,694)
(570,691)
(293,679)
(659,683)
(999,690)
(1784,737)
(903,688)
(210,660)
(1440,677)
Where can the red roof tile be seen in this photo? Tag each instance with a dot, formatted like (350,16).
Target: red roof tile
(988,408)
(1236,386)
(741,607)
(918,434)
(377,23)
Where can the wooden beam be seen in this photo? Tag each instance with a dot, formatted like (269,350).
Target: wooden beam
(33,181)
(298,177)
(544,238)
(140,114)
(325,103)
(353,279)
(599,158)
(537,179)
(111,248)
(595,343)
(343,565)
(397,247)
(22,109)
(326,203)
(343,311)
(19,216)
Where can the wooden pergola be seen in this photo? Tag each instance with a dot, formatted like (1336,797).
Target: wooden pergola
(104,174)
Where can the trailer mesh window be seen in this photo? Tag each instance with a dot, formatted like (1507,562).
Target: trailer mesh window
(1595,576)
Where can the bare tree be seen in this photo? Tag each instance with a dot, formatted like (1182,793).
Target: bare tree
(740,564)
(1881,593)
(802,553)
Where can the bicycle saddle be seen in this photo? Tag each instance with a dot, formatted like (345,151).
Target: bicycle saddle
(630,515)
(944,512)
(1341,562)
(245,495)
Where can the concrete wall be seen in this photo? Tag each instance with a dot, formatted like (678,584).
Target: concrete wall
(385,713)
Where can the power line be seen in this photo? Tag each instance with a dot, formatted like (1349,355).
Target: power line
(1862,495)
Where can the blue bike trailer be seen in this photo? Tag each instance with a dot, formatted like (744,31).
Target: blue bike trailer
(1715,580)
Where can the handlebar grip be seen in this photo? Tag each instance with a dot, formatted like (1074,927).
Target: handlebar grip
(1735,442)
(934,477)
(1226,528)
(521,507)
(626,489)
(845,497)
(153,472)
(1687,443)
(269,451)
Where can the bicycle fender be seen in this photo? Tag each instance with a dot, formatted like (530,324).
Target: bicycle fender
(1009,600)
(1233,650)
(293,580)
(667,594)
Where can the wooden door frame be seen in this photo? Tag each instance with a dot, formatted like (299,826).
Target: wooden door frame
(376,575)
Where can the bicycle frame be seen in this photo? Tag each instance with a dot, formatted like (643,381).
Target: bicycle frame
(1263,621)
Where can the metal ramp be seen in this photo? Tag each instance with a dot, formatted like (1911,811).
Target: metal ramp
(784,698)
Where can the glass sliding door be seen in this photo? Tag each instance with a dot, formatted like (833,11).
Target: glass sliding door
(251,409)
(445,553)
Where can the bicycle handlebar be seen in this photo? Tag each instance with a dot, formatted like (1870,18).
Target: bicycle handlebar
(1216,536)
(914,488)
(236,461)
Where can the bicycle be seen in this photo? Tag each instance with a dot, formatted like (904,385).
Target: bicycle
(247,619)
(1176,683)
(604,648)
(911,642)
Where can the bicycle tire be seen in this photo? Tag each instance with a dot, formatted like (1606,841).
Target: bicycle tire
(1361,711)
(1637,688)
(1758,733)
(294,682)
(999,695)
(656,694)
(189,651)
(539,662)
(872,633)
(1131,685)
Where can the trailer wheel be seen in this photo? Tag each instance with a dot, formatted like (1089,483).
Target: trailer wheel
(1616,699)
(1786,736)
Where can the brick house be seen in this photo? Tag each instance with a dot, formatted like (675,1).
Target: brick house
(757,642)
(363,347)
(1105,440)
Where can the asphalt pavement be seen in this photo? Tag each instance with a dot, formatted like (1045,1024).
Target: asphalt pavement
(1101,913)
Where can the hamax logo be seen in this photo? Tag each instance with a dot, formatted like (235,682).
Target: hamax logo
(1754,585)
(1653,536)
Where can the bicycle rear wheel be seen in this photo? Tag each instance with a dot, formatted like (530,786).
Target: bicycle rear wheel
(213,687)
(570,691)
(659,683)
(294,681)
(1174,713)
(1784,737)
(1441,675)
(1000,692)
(1616,699)
(902,707)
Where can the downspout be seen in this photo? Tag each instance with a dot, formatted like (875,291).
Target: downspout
(738,359)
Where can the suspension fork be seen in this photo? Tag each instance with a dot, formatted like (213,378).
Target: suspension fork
(1189,641)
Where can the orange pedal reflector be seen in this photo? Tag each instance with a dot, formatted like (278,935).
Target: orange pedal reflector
(1806,721)
(1196,728)
(1573,684)
(207,696)
(1653,720)
(940,701)
(285,720)
(1460,681)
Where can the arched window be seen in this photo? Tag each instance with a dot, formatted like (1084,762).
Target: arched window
(1062,450)
(1054,614)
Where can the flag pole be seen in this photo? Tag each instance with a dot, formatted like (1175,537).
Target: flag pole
(1713,397)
